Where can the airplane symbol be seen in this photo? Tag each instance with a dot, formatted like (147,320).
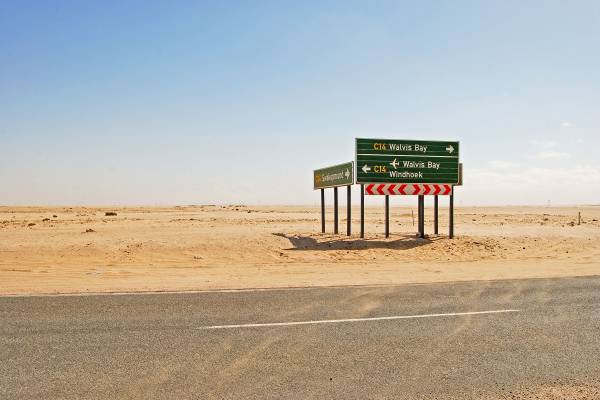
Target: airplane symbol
(395,163)
(347,174)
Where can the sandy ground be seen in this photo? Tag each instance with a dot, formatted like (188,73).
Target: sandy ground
(72,250)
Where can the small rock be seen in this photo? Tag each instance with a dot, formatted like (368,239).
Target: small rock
(46,219)
(31,224)
(55,216)
(110,214)
(89,230)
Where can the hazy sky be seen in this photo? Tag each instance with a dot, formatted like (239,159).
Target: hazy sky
(138,102)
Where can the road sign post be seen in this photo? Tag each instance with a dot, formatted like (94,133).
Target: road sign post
(362,211)
(451,217)
(435,214)
(335,210)
(387,216)
(421,216)
(322,210)
(349,210)
(334,177)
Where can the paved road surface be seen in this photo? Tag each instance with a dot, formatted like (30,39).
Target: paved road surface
(545,339)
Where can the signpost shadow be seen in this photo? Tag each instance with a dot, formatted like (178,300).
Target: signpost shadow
(403,242)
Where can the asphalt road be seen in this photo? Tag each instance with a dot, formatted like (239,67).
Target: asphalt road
(177,346)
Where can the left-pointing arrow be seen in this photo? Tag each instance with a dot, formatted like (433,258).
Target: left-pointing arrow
(366,168)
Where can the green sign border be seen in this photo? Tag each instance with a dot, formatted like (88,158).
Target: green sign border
(345,165)
(404,157)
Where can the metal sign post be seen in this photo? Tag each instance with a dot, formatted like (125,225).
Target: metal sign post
(362,211)
(421,216)
(387,216)
(335,210)
(322,210)
(435,214)
(349,210)
(334,177)
(451,217)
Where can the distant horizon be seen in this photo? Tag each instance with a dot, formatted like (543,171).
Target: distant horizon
(329,206)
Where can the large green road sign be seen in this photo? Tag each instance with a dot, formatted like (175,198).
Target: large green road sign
(406,161)
(337,175)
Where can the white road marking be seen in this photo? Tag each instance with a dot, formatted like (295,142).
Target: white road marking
(335,321)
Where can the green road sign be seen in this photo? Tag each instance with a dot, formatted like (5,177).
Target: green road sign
(406,161)
(337,175)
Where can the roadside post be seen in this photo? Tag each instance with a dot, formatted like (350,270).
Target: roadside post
(349,210)
(335,210)
(420,168)
(387,216)
(435,214)
(451,217)
(334,177)
(421,216)
(418,216)
(362,211)
(322,210)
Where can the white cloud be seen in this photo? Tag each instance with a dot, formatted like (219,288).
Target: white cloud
(532,185)
(552,155)
(500,164)
(567,125)
(544,144)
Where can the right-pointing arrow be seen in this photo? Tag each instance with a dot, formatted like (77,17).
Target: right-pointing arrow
(450,149)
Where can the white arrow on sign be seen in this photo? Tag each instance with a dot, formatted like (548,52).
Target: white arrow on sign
(395,163)
(450,149)
(366,168)
(347,173)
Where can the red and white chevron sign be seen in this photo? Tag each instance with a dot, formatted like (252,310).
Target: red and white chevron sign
(408,189)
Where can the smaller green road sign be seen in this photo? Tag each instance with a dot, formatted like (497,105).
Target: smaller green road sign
(336,175)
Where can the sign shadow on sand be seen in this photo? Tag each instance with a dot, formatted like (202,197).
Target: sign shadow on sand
(403,242)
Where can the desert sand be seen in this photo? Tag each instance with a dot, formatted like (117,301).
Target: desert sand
(82,250)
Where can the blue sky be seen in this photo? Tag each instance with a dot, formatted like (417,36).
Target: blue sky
(137,102)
